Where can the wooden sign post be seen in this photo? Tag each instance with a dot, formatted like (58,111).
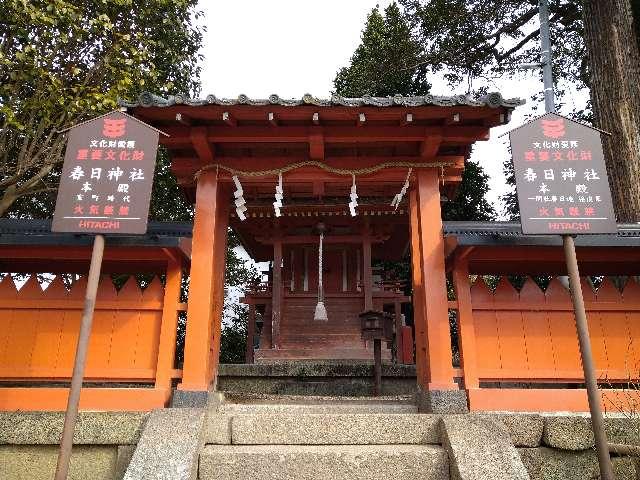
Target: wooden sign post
(105,187)
(562,186)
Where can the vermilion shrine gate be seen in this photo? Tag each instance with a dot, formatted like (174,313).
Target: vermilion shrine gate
(377,140)
(320,147)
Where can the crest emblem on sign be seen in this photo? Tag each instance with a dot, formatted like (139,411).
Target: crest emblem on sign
(114,128)
(553,128)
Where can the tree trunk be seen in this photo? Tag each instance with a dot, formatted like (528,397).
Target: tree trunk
(614,62)
(7,199)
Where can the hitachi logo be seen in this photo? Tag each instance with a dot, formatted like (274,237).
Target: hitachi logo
(106,225)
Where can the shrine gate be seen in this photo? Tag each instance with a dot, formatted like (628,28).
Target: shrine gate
(322,149)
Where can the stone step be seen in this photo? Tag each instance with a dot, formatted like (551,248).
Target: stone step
(320,353)
(264,398)
(327,377)
(323,462)
(335,429)
(299,404)
(240,408)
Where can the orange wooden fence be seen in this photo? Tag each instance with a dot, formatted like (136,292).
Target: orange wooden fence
(132,341)
(510,339)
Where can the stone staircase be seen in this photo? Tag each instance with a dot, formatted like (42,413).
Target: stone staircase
(295,437)
(261,436)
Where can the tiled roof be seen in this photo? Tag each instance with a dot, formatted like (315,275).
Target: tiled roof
(493,100)
(38,232)
(24,231)
(510,234)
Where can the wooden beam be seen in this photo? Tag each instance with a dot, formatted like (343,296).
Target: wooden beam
(201,145)
(332,134)
(106,399)
(313,239)
(429,147)
(407,119)
(185,164)
(453,119)
(493,120)
(316,146)
(183,119)
(271,118)
(229,119)
(548,400)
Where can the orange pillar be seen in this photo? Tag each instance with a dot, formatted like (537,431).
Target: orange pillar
(432,327)
(220,256)
(466,330)
(205,273)
(419,323)
(167,347)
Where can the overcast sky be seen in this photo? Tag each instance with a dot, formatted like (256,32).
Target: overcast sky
(293,47)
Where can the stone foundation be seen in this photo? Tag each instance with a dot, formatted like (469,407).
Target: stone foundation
(442,401)
(103,444)
(315,378)
(561,446)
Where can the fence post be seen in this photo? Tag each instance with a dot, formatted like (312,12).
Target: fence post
(466,331)
(167,341)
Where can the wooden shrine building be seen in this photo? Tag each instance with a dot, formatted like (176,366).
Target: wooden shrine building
(321,151)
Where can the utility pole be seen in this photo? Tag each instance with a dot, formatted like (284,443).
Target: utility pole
(597,420)
(546,57)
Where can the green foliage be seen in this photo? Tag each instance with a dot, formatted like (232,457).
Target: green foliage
(168,202)
(63,62)
(510,200)
(234,336)
(470,202)
(386,61)
(469,40)
(473,41)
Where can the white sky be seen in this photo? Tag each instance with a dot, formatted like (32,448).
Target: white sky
(293,47)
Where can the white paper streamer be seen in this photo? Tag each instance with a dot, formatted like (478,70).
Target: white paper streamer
(398,198)
(240,202)
(354,198)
